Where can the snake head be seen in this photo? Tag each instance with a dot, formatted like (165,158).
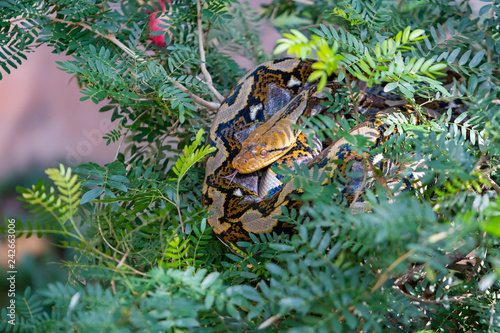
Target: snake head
(263,147)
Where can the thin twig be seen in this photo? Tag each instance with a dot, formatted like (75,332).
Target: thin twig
(492,314)
(487,173)
(196,98)
(18,19)
(488,53)
(122,260)
(123,136)
(104,238)
(102,254)
(203,66)
(480,162)
(353,98)
(454,299)
(386,275)
(180,215)
(167,133)
(490,171)
(269,321)
(111,37)
(493,184)
(378,178)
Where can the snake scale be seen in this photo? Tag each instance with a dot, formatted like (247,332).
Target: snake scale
(251,123)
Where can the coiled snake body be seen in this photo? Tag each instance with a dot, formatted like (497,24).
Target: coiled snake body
(262,106)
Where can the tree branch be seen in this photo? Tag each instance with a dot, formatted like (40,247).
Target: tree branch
(493,184)
(196,98)
(206,74)
(112,38)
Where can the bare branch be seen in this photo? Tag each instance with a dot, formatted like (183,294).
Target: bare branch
(493,184)
(122,261)
(490,171)
(203,66)
(269,321)
(106,241)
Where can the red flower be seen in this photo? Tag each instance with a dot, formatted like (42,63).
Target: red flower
(154,23)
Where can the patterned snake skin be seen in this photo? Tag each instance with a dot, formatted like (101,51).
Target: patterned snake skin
(269,98)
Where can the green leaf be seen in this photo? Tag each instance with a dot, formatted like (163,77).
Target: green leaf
(390,86)
(477,58)
(484,9)
(492,225)
(91,195)
(186,322)
(209,280)
(416,33)
(119,178)
(453,55)
(406,34)
(281,47)
(418,64)
(460,118)
(449,25)
(464,58)
(275,270)
(117,185)
(281,247)
(425,66)
(437,67)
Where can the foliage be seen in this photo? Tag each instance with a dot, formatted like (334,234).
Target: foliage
(145,258)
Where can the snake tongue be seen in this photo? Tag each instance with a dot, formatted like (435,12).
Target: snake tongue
(231,176)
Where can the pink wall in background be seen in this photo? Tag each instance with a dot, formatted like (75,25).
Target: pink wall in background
(43,121)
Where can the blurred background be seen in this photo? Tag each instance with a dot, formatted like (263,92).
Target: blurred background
(42,124)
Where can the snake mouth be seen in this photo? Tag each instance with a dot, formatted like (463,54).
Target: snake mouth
(240,165)
(247,163)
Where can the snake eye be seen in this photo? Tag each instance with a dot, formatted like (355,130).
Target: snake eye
(263,153)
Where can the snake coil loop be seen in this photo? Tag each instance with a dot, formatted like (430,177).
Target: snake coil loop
(254,122)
